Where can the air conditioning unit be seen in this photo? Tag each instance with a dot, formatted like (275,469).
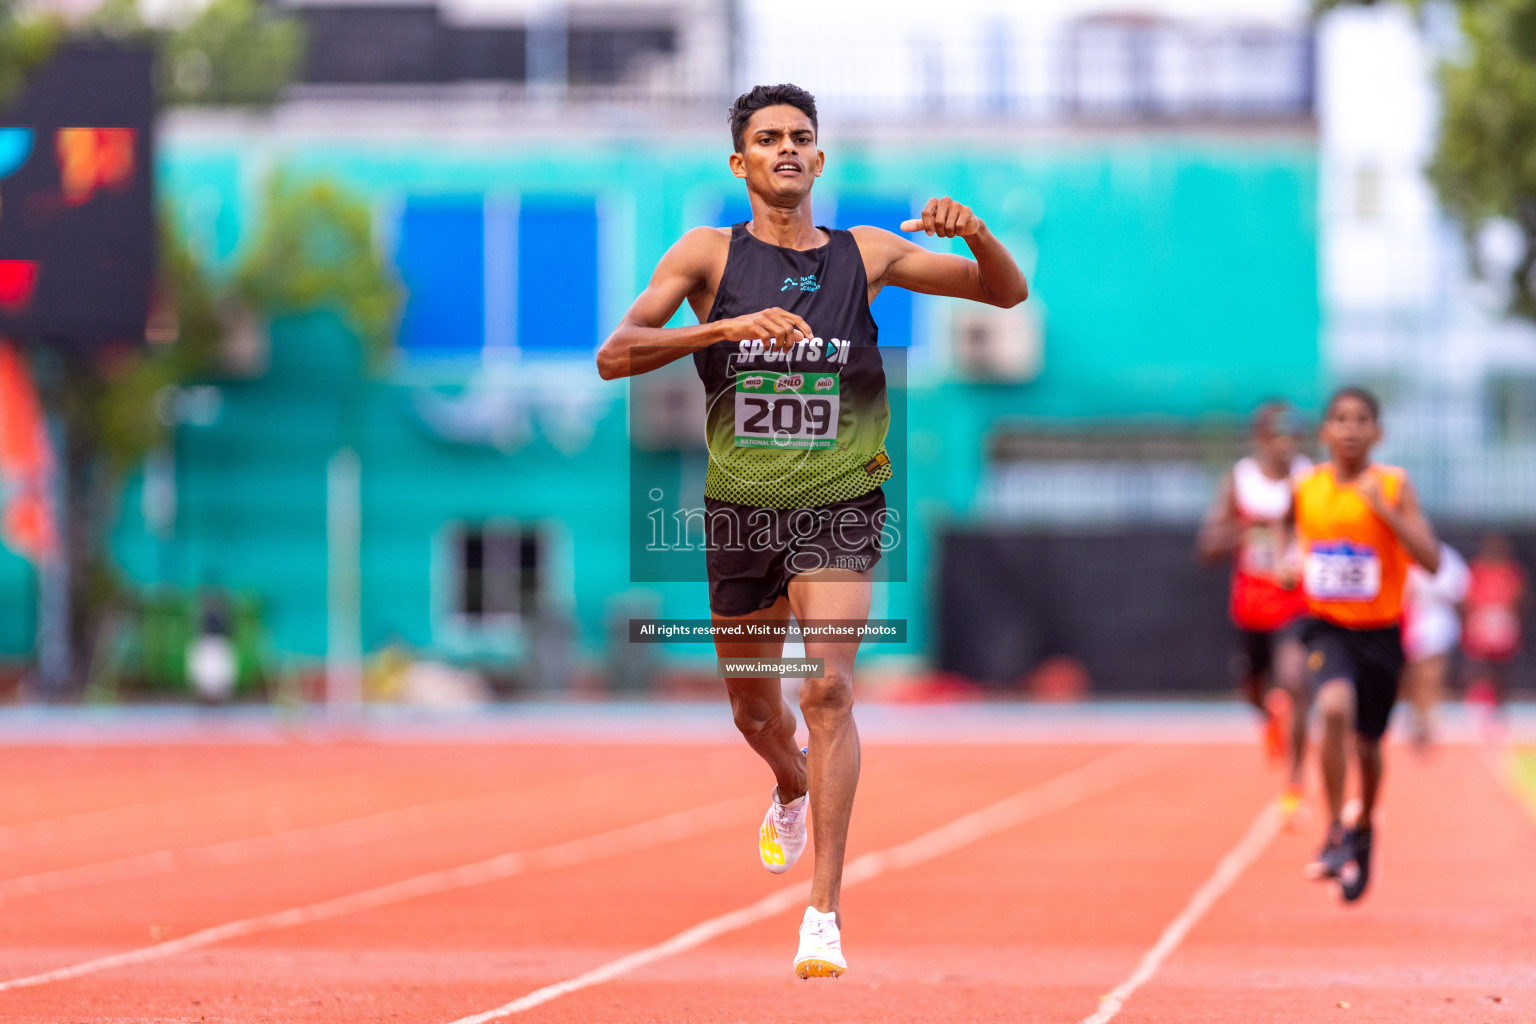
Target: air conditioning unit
(999,346)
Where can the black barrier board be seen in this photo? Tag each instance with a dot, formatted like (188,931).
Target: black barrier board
(77,218)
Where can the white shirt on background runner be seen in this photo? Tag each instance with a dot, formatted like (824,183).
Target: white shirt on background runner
(1432,625)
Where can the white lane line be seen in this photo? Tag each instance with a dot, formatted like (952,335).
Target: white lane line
(645,835)
(1264,828)
(1097,776)
(378,826)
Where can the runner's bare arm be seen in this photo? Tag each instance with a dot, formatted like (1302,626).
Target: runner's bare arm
(992,277)
(1221,530)
(1406,520)
(642,342)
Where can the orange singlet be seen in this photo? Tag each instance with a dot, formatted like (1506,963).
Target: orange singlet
(1353,565)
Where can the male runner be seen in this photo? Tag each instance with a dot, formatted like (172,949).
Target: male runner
(1358,525)
(797,417)
(1247,523)
(1431,629)
(1495,609)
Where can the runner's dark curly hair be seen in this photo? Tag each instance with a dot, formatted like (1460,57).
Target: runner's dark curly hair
(1370,401)
(758,97)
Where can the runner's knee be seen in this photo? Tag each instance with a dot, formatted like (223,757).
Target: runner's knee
(756,715)
(1335,703)
(833,693)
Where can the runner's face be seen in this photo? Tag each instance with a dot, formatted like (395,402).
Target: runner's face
(1349,430)
(1277,448)
(779,158)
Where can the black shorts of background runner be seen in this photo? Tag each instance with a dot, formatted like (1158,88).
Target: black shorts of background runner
(1371,659)
(1255,654)
(754,552)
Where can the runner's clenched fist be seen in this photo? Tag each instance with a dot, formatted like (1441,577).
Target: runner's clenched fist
(946,218)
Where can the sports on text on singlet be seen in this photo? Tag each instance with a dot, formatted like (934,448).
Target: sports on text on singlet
(807,426)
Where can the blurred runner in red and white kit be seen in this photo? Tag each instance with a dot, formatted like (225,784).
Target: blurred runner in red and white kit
(1432,605)
(1246,523)
(1492,634)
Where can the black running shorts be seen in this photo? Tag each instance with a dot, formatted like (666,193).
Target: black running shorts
(1371,659)
(1256,651)
(753,553)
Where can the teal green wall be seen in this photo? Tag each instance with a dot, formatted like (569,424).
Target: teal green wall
(1176,278)
(18,606)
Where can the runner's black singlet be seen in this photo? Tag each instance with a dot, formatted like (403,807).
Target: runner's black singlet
(805,427)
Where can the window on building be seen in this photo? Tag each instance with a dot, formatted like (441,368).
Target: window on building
(610,55)
(441,259)
(374,44)
(1368,191)
(1512,408)
(557,274)
(500,572)
(347,44)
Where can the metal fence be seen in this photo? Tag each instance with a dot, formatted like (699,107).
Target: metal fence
(1467,468)
(1103,70)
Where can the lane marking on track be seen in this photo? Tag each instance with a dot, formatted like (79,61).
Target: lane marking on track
(379,826)
(629,839)
(1092,779)
(147,815)
(1503,760)
(1264,829)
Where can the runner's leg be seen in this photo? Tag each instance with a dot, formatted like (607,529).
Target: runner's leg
(765,719)
(1424,682)
(1291,675)
(1368,752)
(1336,702)
(827,704)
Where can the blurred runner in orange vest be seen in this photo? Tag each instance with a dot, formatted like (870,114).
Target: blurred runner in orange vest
(1358,526)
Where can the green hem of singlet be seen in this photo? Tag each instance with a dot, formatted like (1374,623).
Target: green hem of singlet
(821,493)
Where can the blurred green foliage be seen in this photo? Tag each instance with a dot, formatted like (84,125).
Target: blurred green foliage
(25,42)
(232,52)
(316,249)
(127,422)
(1484,165)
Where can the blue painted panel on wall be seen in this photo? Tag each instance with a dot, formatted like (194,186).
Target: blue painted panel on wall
(557,284)
(734,209)
(892,308)
(441,258)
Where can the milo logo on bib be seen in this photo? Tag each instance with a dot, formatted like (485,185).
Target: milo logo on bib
(787,410)
(789,382)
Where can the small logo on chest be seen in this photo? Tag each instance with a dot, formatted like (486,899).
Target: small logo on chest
(808,283)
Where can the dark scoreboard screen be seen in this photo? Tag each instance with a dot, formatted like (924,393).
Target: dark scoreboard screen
(77,214)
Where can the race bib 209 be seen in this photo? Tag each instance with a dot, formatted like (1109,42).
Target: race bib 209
(1341,571)
(787,410)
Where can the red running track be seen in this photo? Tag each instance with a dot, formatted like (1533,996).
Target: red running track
(112,849)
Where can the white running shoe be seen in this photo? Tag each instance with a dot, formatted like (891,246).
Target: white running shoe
(781,840)
(821,947)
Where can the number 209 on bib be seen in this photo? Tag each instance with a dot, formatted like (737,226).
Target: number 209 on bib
(787,410)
